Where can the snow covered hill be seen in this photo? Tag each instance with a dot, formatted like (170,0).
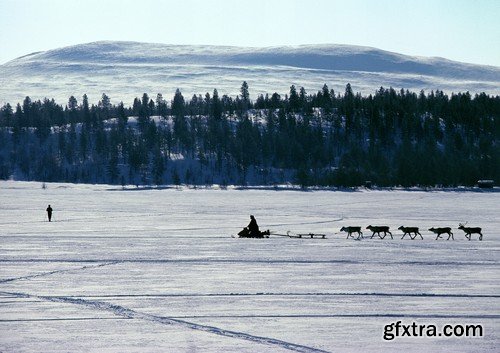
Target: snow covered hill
(125,70)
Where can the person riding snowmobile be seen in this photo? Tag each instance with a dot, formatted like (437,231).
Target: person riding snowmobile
(252,230)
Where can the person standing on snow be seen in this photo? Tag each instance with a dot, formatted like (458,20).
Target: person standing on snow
(49,213)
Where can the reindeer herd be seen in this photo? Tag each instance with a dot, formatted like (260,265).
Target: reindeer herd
(411,230)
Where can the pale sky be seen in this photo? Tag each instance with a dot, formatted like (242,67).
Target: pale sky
(462,30)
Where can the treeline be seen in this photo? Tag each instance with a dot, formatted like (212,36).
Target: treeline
(326,138)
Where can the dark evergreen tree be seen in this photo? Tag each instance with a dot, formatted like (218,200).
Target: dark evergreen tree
(245,96)
(161,105)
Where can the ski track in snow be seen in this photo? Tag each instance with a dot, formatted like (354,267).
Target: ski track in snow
(66,319)
(291,294)
(183,229)
(243,261)
(132,314)
(180,321)
(43,274)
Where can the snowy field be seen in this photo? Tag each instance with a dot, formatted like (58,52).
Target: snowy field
(157,271)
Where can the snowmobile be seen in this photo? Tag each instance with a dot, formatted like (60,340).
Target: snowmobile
(245,233)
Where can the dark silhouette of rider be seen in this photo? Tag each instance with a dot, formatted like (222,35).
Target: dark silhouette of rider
(253,227)
(49,213)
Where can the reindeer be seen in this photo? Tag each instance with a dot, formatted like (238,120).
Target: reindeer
(443,230)
(409,230)
(351,230)
(470,230)
(378,229)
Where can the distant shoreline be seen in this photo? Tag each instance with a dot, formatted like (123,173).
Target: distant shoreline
(281,187)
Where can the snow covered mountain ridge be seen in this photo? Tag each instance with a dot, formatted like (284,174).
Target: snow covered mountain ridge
(125,70)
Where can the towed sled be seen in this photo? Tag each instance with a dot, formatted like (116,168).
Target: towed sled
(305,235)
(301,235)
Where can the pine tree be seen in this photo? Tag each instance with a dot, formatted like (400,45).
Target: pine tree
(245,97)
(161,105)
(294,101)
(86,112)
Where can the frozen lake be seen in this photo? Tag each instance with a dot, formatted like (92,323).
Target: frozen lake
(157,270)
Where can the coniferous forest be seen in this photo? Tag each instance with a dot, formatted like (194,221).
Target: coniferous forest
(326,138)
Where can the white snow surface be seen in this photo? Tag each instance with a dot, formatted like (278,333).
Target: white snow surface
(126,70)
(156,270)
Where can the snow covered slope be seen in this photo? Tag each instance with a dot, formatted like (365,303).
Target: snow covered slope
(125,70)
